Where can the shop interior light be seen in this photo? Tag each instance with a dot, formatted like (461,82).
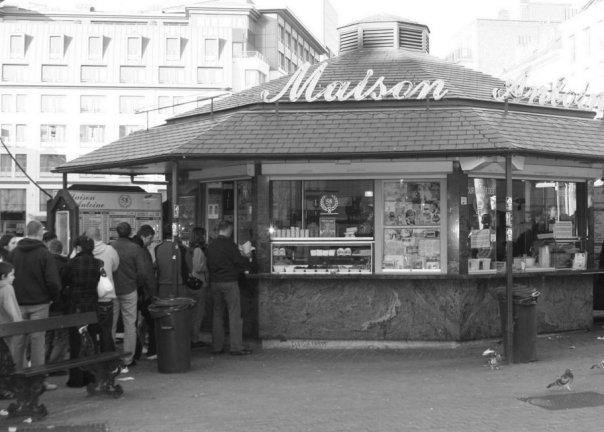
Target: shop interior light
(599,182)
(368,194)
(271,230)
(542,185)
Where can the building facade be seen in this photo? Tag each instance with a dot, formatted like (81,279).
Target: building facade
(73,81)
(494,45)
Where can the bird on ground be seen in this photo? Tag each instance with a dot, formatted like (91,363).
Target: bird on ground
(598,365)
(565,380)
(494,358)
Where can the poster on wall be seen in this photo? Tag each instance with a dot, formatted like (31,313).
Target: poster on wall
(327,227)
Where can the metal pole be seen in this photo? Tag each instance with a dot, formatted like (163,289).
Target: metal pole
(64,180)
(175,251)
(509,259)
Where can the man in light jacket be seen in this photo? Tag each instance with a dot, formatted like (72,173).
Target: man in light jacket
(111,262)
(132,268)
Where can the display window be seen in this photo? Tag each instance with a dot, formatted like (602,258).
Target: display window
(544,222)
(413,223)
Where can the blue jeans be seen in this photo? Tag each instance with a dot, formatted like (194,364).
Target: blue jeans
(226,295)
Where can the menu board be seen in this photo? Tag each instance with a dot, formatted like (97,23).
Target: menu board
(411,226)
(327,226)
(105,210)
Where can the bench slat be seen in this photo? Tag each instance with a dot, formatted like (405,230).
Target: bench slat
(68,364)
(52,323)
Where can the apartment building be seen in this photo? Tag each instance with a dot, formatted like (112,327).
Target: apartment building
(71,81)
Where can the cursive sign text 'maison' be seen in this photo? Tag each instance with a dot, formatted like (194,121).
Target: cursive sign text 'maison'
(298,86)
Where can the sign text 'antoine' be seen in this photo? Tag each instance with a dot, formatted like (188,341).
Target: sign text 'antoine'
(299,85)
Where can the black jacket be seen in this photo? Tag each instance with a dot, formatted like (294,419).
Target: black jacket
(82,275)
(225,262)
(37,278)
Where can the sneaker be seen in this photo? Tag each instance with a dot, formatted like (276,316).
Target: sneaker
(50,386)
(152,357)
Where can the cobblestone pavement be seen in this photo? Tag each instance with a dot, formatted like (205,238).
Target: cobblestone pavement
(329,391)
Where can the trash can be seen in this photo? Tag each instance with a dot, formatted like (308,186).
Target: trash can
(524,312)
(173,333)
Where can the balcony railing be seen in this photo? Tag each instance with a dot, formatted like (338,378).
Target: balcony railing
(250,54)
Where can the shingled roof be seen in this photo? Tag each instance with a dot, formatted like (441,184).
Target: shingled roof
(255,134)
(394,64)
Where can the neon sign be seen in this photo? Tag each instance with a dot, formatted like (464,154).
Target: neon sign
(299,86)
(554,94)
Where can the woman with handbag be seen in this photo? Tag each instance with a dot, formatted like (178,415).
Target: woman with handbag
(83,274)
(196,256)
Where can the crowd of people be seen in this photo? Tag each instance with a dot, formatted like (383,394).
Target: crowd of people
(38,279)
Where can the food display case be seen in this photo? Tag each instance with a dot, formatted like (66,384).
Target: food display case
(322,256)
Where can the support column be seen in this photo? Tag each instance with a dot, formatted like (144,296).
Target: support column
(509,259)
(64,180)
(175,217)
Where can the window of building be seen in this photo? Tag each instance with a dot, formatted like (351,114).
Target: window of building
(20,131)
(5,132)
(22,161)
(573,48)
(130,104)
(55,47)
(93,74)
(237,49)
(282,61)
(210,75)
(132,74)
(49,162)
(54,73)
(288,65)
(165,104)
(135,48)
(92,103)
(172,48)
(6,165)
(177,100)
(126,130)
(50,133)
(13,200)
(211,51)
(53,103)
(6,103)
(254,77)
(14,72)
(92,133)
(21,103)
(17,46)
(281,33)
(95,48)
(44,198)
(288,39)
(587,38)
(171,75)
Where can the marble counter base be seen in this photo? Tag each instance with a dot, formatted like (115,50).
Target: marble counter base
(421,310)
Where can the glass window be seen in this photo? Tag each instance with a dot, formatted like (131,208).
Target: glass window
(21,103)
(135,48)
(93,74)
(6,165)
(12,72)
(54,73)
(50,161)
(327,208)
(17,46)
(245,222)
(53,103)
(5,132)
(92,104)
(20,131)
(282,60)
(179,100)
(281,33)
(165,105)
(56,47)
(237,49)
(412,226)
(210,75)
(92,133)
(13,200)
(171,75)
(126,130)
(132,74)
(22,161)
(52,133)
(44,198)
(544,224)
(95,48)
(172,48)
(253,77)
(130,104)
(6,104)
(211,53)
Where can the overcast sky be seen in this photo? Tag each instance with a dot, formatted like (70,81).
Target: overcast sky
(444,17)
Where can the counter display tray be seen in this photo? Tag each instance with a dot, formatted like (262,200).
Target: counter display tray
(538,269)
(487,271)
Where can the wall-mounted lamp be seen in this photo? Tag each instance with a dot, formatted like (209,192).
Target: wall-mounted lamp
(599,182)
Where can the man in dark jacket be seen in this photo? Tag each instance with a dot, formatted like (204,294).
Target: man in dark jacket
(226,264)
(133,268)
(37,284)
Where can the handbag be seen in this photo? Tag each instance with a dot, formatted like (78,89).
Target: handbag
(189,280)
(105,288)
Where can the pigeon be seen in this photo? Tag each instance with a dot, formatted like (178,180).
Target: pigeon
(565,380)
(494,358)
(598,365)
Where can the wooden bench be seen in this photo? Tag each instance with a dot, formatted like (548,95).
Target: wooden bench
(28,384)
